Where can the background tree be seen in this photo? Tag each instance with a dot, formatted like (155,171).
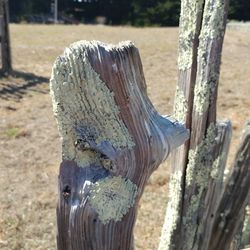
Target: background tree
(239,10)
(160,13)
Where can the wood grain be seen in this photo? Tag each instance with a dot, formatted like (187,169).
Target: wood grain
(215,185)
(191,13)
(235,198)
(202,24)
(113,139)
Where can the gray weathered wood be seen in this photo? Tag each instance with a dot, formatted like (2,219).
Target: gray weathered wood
(192,164)
(112,140)
(236,242)
(190,25)
(245,234)
(215,185)
(235,198)
(5,37)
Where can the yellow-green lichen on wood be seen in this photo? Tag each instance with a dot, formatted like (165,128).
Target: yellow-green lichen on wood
(172,212)
(216,173)
(82,100)
(208,72)
(205,86)
(200,159)
(245,239)
(112,198)
(213,20)
(203,92)
(198,172)
(180,106)
(190,9)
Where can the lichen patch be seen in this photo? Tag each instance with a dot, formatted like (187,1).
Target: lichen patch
(112,197)
(172,212)
(198,173)
(180,106)
(190,9)
(201,160)
(208,70)
(213,19)
(215,172)
(82,100)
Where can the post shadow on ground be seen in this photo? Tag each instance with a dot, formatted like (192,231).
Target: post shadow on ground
(13,90)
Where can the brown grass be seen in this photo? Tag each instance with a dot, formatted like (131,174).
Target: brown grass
(29,141)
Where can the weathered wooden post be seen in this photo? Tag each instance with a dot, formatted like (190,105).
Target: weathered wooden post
(5,38)
(234,199)
(112,141)
(203,212)
(242,238)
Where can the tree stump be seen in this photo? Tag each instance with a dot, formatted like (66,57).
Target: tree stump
(112,141)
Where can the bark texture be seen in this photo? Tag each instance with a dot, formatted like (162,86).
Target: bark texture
(112,139)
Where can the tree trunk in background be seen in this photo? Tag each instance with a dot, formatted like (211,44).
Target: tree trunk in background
(113,139)
(5,37)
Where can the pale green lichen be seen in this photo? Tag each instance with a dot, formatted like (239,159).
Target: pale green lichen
(87,157)
(216,172)
(208,75)
(180,106)
(190,9)
(206,83)
(212,26)
(82,100)
(193,206)
(201,97)
(189,225)
(172,212)
(198,175)
(201,160)
(112,198)
(213,19)
(245,239)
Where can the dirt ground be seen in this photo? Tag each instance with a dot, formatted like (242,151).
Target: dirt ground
(29,142)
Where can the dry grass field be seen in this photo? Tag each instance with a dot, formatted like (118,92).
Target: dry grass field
(29,142)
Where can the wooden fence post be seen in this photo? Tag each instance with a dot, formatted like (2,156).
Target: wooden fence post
(5,37)
(234,198)
(197,200)
(244,235)
(112,139)
(202,25)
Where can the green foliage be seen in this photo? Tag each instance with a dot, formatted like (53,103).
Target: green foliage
(12,132)
(160,13)
(25,7)
(239,10)
(135,12)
